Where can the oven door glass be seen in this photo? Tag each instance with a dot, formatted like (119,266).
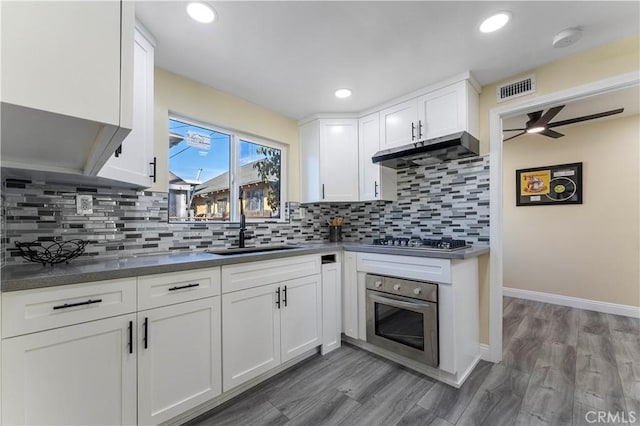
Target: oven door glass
(400,325)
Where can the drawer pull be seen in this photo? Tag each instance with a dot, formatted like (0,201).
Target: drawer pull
(72,305)
(184,286)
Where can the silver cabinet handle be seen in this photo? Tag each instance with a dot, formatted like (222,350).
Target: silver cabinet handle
(400,304)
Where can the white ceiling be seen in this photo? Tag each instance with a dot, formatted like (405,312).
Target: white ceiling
(291,56)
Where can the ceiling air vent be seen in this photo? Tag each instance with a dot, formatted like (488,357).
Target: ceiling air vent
(516,88)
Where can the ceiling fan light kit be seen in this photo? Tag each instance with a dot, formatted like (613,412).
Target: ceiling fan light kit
(539,123)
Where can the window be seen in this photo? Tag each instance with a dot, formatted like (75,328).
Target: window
(209,167)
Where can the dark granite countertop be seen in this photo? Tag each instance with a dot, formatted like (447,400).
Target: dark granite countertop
(24,277)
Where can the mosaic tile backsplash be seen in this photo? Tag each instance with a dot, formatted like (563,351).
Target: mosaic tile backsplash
(447,199)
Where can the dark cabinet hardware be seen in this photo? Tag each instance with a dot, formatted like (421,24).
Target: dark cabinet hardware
(413,130)
(130,337)
(323,191)
(146,333)
(71,305)
(155,166)
(278,299)
(184,286)
(284,296)
(375,188)
(118,152)
(419,129)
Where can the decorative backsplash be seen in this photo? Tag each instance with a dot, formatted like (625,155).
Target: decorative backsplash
(447,199)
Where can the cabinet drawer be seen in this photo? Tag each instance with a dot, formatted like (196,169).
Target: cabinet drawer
(46,308)
(253,274)
(176,287)
(417,268)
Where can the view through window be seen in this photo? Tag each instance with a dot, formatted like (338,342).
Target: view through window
(202,171)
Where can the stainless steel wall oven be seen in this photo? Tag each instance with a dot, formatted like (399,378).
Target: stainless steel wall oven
(402,316)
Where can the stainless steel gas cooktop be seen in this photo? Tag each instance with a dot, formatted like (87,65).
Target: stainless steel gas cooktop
(442,244)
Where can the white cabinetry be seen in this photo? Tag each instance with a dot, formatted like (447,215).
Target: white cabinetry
(376,182)
(331,305)
(67,71)
(399,124)
(133,160)
(350,296)
(439,112)
(77,373)
(271,313)
(448,110)
(179,358)
(329,160)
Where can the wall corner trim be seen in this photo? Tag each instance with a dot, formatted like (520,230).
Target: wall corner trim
(574,302)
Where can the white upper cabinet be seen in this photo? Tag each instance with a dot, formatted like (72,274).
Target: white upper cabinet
(329,160)
(376,182)
(67,75)
(448,110)
(399,124)
(133,160)
(440,112)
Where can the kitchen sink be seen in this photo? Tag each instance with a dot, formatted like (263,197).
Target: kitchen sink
(230,251)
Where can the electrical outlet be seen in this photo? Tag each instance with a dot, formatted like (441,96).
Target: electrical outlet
(302,212)
(287,210)
(84,204)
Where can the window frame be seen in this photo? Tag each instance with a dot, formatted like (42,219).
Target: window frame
(234,165)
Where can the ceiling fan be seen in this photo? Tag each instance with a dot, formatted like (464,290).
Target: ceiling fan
(539,123)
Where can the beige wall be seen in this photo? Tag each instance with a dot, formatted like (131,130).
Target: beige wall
(596,64)
(591,250)
(190,99)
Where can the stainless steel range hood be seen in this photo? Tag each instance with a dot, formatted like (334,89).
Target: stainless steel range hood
(431,151)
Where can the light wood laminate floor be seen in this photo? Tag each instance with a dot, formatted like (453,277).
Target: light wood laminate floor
(558,365)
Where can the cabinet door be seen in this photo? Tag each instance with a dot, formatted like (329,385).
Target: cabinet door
(398,124)
(310,162)
(350,296)
(132,162)
(78,375)
(331,306)
(443,111)
(369,144)
(250,334)
(301,316)
(339,159)
(179,358)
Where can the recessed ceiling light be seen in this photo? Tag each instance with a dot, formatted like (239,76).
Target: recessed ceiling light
(201,12)
(537,129)
(342,93)
(495,22)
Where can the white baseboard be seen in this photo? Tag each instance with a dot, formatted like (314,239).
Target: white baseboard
(574,302)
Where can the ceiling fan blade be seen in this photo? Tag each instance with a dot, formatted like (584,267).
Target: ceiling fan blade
(548,116)
(513,130)
(534,116)
(551,133)
(515,136)
(586,117)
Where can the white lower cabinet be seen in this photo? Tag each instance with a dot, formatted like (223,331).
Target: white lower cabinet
(331,303)
(267,325)
(350,295)
(83,374)
(179,358)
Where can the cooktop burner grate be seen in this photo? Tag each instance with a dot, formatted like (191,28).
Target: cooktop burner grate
(422,243)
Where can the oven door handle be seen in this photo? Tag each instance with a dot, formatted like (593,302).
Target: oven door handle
(399,303)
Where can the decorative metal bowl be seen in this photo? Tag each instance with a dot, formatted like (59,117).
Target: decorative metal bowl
(55,252)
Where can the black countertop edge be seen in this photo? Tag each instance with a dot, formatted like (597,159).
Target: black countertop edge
(30,276)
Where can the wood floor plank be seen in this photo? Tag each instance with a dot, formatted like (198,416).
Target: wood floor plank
(524,348)
(549,397)
(623,324)
(499,398)
(626,348)
(564,325)
(594,323)
(449,403)
(418,416)
(392,401)
(329,411)
(598,383)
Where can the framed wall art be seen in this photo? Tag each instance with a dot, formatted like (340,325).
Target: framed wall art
(559,184)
